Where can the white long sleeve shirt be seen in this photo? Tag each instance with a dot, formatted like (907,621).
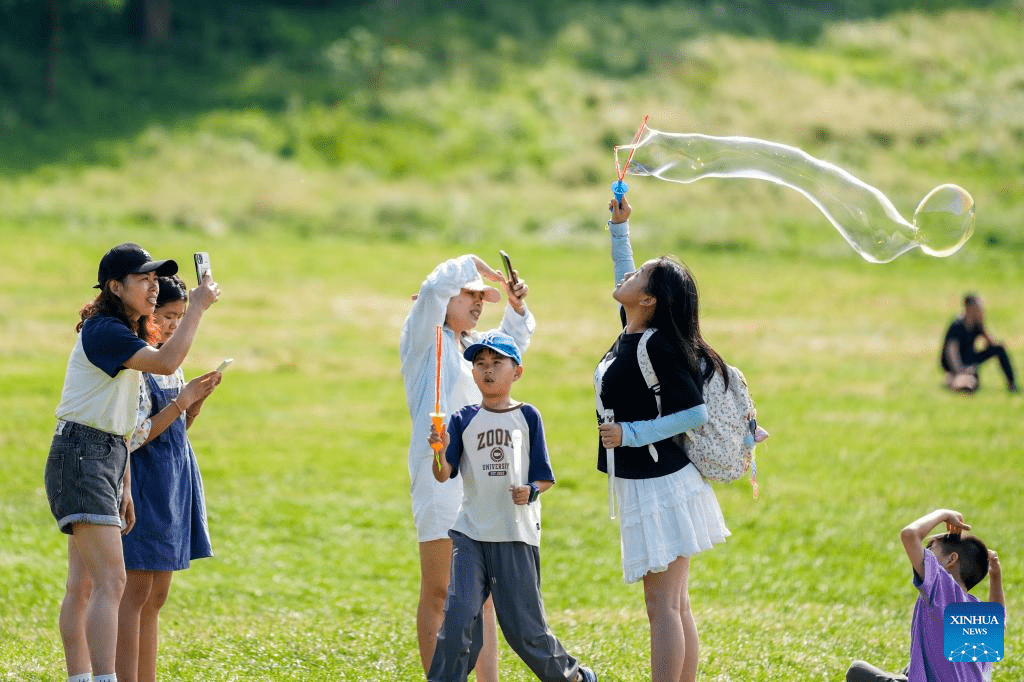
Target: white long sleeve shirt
(418,354)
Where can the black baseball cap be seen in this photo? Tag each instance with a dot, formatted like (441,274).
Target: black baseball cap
(131,259)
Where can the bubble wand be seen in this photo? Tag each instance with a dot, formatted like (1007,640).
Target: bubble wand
(437,416)
(517,469)
(619,187)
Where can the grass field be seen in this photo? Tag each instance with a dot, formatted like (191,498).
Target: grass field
(327,155)
(303,450)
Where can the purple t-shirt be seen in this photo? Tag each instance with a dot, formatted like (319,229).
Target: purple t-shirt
(927,631)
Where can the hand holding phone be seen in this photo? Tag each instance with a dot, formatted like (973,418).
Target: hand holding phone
(510,274)
(202,259)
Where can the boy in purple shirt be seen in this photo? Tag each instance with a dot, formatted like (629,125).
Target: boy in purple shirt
(945,569)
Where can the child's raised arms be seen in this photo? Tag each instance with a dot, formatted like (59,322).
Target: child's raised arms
(913,535)
(995,579)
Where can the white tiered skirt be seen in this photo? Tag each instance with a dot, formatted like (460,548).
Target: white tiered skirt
(664,518)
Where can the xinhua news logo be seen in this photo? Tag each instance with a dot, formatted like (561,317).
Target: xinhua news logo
(974,632)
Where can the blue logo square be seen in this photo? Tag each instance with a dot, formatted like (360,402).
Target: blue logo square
(974,632)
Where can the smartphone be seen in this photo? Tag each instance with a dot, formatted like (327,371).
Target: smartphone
(202,259)
(509,272)
(224,365)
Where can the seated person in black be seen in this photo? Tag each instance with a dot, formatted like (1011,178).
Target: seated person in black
(961,359)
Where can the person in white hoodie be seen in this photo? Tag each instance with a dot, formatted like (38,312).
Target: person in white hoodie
(452,295)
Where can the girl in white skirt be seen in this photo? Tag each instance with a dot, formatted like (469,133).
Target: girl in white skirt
(667,511)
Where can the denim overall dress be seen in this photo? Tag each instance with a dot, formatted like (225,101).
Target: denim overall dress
(170,510)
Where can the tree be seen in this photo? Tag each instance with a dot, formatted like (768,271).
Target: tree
(156,21)
(53,47)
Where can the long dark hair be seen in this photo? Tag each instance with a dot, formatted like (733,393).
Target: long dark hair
(110,305)
(677,314)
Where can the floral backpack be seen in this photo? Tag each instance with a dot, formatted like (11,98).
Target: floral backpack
(722,449)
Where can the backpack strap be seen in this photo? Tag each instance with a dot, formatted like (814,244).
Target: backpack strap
(646,368)
(643,358)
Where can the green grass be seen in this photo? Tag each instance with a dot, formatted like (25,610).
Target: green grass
(303,450)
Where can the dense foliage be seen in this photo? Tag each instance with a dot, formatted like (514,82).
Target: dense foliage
(435,96)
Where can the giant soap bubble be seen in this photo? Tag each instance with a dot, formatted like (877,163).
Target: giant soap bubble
(943,220)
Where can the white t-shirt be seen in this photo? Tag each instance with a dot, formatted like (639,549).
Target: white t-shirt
(492,450)
(98,390)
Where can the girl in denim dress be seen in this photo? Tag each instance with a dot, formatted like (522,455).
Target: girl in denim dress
(170,511)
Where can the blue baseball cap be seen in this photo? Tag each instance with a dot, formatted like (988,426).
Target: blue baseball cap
(499,343)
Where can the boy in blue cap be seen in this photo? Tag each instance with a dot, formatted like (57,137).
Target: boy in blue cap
(499,449)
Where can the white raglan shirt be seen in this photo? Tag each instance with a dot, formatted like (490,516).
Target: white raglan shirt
(481,452)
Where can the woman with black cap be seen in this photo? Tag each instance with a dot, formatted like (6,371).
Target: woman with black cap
(88,481)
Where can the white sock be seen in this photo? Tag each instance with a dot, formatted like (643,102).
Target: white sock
(81,677)
(112,677)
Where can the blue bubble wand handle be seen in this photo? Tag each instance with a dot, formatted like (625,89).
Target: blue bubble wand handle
(619,187)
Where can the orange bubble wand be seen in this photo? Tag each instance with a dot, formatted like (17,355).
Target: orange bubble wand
(437,416)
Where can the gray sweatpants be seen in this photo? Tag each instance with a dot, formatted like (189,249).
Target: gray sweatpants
(510,572)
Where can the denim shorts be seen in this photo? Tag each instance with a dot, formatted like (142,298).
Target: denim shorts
(84,473)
